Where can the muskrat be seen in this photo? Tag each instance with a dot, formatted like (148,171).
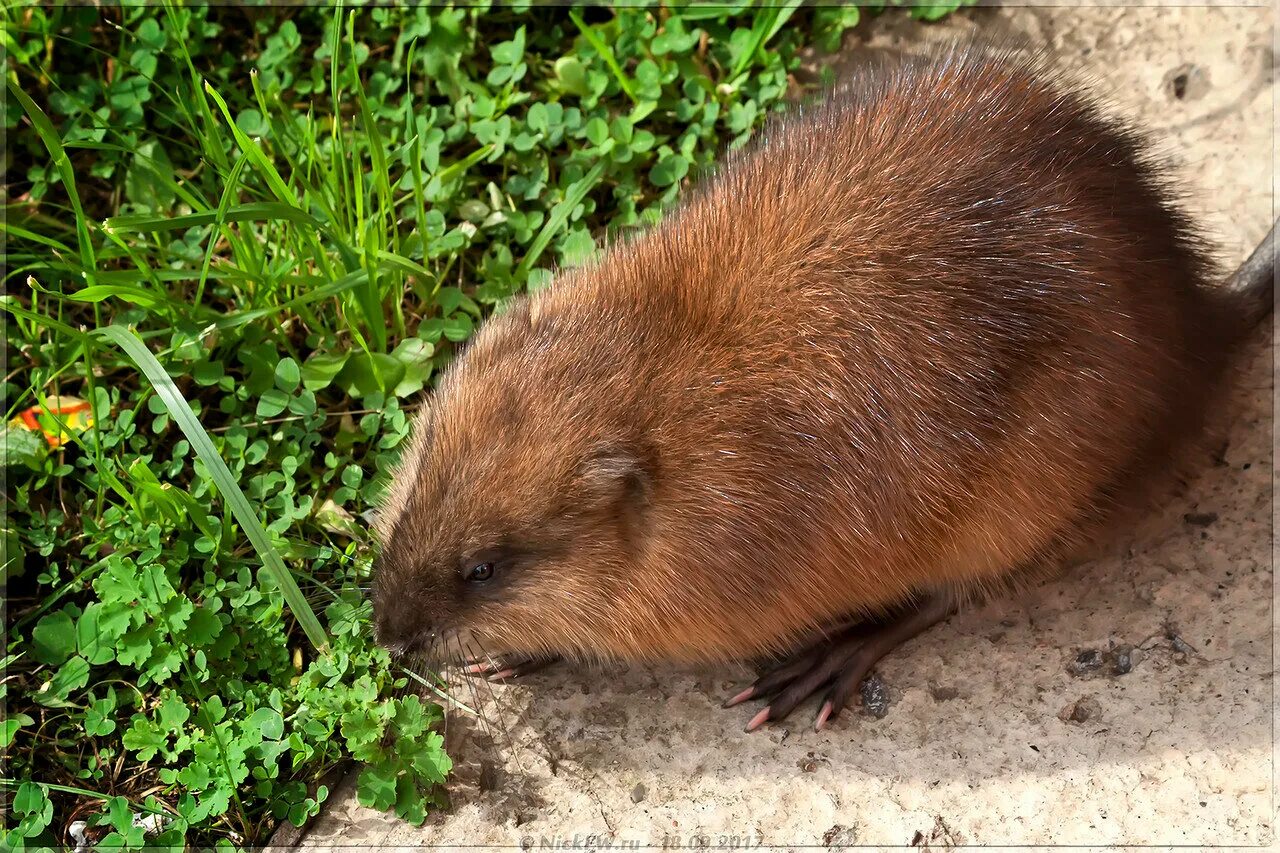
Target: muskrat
(919,339)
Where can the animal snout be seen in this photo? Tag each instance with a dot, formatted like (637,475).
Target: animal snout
(398,624)
(401,629)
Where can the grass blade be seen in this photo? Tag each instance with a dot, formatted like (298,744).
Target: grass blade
(14,231)
(370,297)
(406,265)
(224,204)
(53,142)
(768,22)
(453,170)
(264,211)
(240,507)
(136,295)
(606,53)
(337,287)
(254,152)
(559,216)
(41,320)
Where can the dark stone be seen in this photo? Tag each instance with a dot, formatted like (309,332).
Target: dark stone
(1086,661)
(1082,711)
(1187,83)
(1123,660)
(875,696)
(840,836)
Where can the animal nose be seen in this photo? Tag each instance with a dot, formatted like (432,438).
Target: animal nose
(400,623)
(398,626)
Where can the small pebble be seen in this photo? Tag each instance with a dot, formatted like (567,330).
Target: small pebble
(1124,660)
(875,696)
(638,792)
(840,836)
(1082,711)
(1087,661)
(1186,83)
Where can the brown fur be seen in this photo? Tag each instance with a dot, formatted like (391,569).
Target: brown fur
(921,336)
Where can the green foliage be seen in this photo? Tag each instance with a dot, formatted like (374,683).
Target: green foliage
(249,238)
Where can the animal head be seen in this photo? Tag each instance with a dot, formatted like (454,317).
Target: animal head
(515,515)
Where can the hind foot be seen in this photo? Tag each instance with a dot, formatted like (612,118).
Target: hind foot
(840,664)
(503,667)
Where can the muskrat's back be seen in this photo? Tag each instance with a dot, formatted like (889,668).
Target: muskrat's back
(920,336)
(920,333)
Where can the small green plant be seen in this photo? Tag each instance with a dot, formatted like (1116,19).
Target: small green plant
(241,242)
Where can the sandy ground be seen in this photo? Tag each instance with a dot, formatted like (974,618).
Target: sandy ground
(998,730)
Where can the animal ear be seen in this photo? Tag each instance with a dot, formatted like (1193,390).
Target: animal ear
(618,479)
(617,472)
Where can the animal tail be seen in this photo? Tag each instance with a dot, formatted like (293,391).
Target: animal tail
(1251,289)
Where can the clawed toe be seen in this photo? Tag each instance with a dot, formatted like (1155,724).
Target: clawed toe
(839,664)
(804,685)
(504,668)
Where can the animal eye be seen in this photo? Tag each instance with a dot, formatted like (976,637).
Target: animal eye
(480,572)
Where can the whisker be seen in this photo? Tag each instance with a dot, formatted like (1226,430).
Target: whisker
(500,711)
(475,697)
(444,709)
(437,649)
(449,701)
